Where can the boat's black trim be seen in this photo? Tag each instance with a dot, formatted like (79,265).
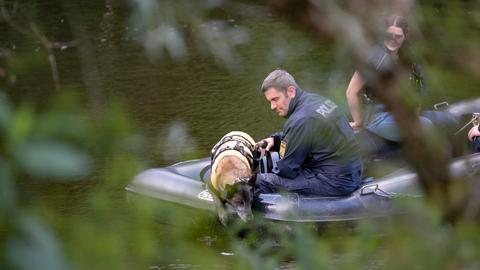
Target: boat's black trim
(182,183)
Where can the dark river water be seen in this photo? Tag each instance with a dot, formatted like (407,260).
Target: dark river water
(197,97)
(183,107)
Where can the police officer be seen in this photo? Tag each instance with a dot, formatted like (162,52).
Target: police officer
(317,149)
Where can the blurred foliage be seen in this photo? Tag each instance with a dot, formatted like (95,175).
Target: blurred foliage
(167,26)
(63,168)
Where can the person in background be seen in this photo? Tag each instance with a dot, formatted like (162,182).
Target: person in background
(318,151)
(367,112)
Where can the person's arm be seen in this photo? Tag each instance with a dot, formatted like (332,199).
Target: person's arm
(473,132)
(271,143)
(353,99)
(297,147)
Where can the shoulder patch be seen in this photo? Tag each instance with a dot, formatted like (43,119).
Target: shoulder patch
(283,148)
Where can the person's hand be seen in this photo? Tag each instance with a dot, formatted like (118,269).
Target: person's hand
(473,132)
(266,144)
(355,125)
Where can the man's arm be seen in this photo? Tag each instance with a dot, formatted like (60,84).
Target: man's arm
(297,146)
(271,143)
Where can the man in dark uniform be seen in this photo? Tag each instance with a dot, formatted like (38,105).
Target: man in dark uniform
(317,149)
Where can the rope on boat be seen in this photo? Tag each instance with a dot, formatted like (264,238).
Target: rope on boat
(474,120)
(392,195)
(375,189)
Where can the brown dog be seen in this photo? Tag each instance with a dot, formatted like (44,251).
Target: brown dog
(231,179)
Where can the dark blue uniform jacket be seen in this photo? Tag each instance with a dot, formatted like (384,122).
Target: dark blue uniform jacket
(317,139)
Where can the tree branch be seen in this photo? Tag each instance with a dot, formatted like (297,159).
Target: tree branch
(46,43)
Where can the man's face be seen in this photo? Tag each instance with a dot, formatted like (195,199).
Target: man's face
(279,101)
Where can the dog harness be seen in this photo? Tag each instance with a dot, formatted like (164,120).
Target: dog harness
(235,143)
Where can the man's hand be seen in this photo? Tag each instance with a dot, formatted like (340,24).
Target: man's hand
(266,144)
(473,133)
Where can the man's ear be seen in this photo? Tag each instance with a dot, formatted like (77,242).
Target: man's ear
(291,91)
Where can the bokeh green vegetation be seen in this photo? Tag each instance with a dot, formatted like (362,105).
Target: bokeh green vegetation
(70,142)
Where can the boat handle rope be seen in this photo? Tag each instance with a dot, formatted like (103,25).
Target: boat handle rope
(474,120)
(380,192)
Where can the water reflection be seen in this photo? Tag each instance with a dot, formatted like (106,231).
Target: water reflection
(174,143)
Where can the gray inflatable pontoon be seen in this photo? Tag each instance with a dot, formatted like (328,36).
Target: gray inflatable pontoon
(182,183)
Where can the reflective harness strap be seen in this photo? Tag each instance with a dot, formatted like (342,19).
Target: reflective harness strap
(226,139)
(247,153)
(243,145)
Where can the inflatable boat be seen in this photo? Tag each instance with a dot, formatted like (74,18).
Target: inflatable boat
(182,183)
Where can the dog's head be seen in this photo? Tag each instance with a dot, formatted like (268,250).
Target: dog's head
(239,195)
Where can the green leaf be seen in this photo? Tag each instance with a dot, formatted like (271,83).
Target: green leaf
(53,160)
(7,189)
(22,123)
(5,112)
(35,247)
(53,125)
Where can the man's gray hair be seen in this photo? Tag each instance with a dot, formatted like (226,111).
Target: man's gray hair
(278,79)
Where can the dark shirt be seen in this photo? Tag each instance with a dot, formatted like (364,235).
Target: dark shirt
(381,62)
(316,138)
